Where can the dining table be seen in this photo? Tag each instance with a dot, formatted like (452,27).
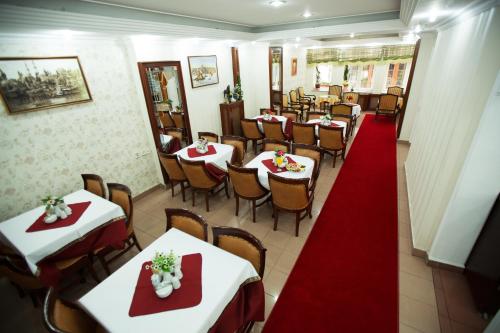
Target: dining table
(218,155)
(36,241)
(331,99)
(219,291)
(356,109)
(283,120)
(261,163)
(334,123)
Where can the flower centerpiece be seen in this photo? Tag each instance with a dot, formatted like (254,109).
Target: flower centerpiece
(279,158)
(267,116)
(55,208)
(349,98)
(326,120)
(202,146)
(167,273)
(346,77)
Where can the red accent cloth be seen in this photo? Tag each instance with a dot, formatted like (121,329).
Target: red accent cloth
(146,302)
(354,251)
(193,153)
(112,234)
(78,210)
(288,129)
(334,125)
(273,168)
(273,119)
(215,171)
(175,145)
(247,305)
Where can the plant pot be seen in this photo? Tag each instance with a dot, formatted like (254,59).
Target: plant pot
(317,85)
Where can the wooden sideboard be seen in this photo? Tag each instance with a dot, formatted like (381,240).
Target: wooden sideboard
(231,115)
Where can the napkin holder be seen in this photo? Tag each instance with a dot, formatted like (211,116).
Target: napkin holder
(165,283)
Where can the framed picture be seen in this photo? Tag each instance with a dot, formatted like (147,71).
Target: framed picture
(203,70)
(294,66)
(31,84)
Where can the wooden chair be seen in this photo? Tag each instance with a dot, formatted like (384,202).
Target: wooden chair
(176,133)
(200,179)
(315,115)
(272,144)
(246,185)
(335,90)
(304,133)
(310,98)
(345,110)
(178,118)
(172,167)
(240,144)
(395,90)
(94,184)
(314,153)
(251,132)
(122,196)
(166,119)
(331,140)
(273,130)
(346,119)
(285,104)
(209,136)
(324,106)
(350,97)
(289,114)
(387,105)
(290,195)
(297,105)
(188,222)
(61,316)
(269,111)
(242,244)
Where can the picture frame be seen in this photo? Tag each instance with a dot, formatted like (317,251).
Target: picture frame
(294,66)
(37,83)
(203,70)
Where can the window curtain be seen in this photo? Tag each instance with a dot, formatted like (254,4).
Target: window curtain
(379,54)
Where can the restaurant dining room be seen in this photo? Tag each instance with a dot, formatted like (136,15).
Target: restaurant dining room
(250,166)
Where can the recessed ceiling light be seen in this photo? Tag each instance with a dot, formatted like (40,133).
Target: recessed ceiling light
(418,28)
(277,3)
(297,39)
(307,14)
(352,35)
(432,18)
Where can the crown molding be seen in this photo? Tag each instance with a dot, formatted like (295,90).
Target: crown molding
(474,8)
(407,10)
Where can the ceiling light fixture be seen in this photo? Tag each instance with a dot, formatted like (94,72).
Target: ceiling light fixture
(277,3)
(432,18)
(352,35)
(417,29)
(297,39)
(307,14)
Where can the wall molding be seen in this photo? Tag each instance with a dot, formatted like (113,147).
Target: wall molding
(147,192)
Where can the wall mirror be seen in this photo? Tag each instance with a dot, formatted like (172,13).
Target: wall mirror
(276,75)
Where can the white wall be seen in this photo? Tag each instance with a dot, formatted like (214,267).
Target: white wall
(292,82)
(476,190)
(464,66)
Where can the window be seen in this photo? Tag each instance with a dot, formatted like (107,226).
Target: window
(395,75)
(361,76)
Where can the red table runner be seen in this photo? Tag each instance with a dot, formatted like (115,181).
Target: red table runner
(175,145)
(77,208)
(193,153)
(215,171)
(146,302)
(273,168)
(288,129)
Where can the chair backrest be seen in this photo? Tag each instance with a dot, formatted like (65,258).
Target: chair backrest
(315,115)
(64,317)
(273,130)
(174,132)
(122,196)
(292,115)
(304,133)
(209,136)
(172,166)
(178,118)
(324,106)
(197,174)
(350,97)
(311,151)
(239,143)
(388,102)
(331,138)
(284,100)
(272,144)
(94,183)
(188,222)
(166,120)
(343,109)
(14,268)
(335,90)
(243,244)
(288,193)
(270,111)
(395,90)
(300,90)
(246,182)
(293,96)
(250,129)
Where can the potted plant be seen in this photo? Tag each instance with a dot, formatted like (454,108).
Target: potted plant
(167,273)
(346,77)
(317,78)
(169,103)
(238,93)
(279,158)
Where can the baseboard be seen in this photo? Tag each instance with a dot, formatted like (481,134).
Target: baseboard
(406,142)
(440,265)
(149,191)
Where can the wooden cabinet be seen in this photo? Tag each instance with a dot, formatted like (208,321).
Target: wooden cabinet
(231,115)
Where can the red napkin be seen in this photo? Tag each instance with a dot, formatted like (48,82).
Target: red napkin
(146,302)
(77,208)
(274,119)
(193,153)
(273,168)
(334,125)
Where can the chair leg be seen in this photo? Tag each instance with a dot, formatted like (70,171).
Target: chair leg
(104,265)
(136,242)
(334,157)
(183,191)
(276,213)
(343,153)
(172,188)
(206,201)
(253,210)
(193,195)
(237,203)
(92,271)
(254,144)
(297,222)
(226,188)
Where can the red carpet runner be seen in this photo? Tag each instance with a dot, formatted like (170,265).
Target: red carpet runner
(346,278)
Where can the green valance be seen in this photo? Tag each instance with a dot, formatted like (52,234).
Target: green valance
(360,54)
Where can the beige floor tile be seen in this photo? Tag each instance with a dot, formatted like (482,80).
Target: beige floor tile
(414,265)
(270,302)
(418,315)
(404,245)
(277,238)
(286,262)
(295,245)
(407,329)
(273,253)
(274,282)
(417,288)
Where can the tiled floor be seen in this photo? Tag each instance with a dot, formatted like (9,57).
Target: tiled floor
(418,307)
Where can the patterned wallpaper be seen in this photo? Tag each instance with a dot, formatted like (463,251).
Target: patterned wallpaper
(44,152)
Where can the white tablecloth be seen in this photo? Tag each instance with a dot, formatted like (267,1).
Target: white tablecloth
(356,109)
(35,246)
(280,118)
(224,153)
(222,274)
(342,124)
(165,139)
(263,170)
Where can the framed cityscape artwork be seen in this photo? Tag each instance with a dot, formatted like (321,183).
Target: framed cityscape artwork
(203,70)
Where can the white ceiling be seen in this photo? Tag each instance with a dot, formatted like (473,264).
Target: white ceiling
(256,13)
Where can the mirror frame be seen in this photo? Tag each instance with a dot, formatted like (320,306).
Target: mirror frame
(271,91)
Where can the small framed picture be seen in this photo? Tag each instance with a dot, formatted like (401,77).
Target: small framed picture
(203,70)
(294,66)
